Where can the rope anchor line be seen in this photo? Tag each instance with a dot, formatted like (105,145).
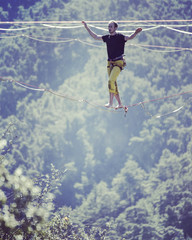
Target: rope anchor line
(99,106)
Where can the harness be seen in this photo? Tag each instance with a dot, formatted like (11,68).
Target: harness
(114,64)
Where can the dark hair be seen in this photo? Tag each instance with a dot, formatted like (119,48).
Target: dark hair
(114,22)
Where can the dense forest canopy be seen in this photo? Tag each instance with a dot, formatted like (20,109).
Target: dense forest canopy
(72,169)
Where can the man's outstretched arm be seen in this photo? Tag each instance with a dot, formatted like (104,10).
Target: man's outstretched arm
(138,30)
(93,35)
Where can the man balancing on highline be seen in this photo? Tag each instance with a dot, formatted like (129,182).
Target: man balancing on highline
(115,49)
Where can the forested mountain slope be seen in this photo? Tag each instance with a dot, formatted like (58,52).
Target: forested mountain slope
(130,175)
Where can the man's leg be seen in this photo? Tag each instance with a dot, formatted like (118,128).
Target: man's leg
(111,94)
(112,85)
(110,104)
(119,101)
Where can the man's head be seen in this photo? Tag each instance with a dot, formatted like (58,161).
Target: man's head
(112,26)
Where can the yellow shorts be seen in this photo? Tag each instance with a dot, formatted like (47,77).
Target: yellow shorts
(113,69)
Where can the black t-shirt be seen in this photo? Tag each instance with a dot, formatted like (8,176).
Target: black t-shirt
(115,45)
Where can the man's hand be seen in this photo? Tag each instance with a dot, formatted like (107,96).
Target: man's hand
(85,24)
(93,35)
(138,30)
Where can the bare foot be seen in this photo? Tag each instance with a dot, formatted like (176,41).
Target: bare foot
(119,106)
(108,105)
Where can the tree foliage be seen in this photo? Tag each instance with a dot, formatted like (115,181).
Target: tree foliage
(127,177)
